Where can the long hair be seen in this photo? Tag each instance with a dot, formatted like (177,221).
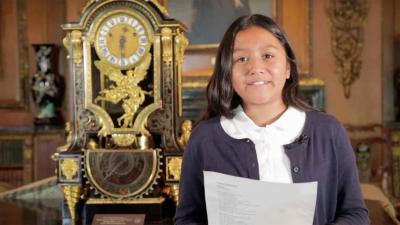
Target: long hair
(221,97)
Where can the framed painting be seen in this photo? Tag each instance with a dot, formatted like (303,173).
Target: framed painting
(207,20)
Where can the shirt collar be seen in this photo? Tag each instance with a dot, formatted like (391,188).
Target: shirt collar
(287,121)
(242,120)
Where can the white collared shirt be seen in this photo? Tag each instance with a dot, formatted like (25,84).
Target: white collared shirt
(273,163)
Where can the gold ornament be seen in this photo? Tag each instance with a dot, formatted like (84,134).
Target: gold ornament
(68,130)
(124,139)
(126,89)
(186,132)
(69,168)
(72,194)
(174,168)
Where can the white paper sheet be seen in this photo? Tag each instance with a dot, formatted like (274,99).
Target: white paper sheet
(234,200)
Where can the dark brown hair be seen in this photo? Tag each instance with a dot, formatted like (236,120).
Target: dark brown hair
(221,97)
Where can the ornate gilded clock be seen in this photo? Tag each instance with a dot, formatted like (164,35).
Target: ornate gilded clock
(124,149)
(121,174)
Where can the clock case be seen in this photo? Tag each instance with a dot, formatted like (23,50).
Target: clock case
(123,152)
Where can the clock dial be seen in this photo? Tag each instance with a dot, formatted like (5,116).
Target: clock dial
(122,40)
(121,173)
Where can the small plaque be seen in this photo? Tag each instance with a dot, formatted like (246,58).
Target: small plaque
(118,219)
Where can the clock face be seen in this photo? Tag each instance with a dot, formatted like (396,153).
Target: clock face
(119,173)
(122,40)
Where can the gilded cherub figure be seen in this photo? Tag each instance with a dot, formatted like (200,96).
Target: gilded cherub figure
(126,89)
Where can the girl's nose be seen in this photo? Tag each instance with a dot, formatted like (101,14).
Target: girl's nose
(256,67)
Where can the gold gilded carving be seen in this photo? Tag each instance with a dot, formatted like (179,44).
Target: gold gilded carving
(181,43)
(68,130)
(144,142)
(174,168)
(175,192)
(72,194)
(104,130)
(92,144)
(166,39)
(124,139)
(347,18)
(74,39)
(126,201)
(126,90)
(186,132)
(69,168)
(172,191)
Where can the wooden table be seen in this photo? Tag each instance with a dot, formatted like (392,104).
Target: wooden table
(12,213)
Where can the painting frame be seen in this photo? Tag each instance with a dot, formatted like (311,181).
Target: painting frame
(312,91)
(212,45)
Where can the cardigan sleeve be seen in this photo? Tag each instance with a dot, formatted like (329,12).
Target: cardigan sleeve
(351,209)
(191,209)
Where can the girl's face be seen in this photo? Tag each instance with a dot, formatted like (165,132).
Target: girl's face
(260,67)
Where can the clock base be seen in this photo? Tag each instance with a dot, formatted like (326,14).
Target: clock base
(157,212)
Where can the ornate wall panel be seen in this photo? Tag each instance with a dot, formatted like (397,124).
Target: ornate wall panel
(14,64)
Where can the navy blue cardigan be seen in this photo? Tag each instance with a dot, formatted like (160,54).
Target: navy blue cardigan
(322,153)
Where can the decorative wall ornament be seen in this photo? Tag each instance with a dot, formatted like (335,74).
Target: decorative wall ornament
(347,18)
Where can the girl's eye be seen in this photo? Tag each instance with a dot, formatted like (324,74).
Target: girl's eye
(268,56)
(241,59)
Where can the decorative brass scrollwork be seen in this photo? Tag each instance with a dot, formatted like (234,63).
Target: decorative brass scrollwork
(181,42)
(74,39)
(166,40)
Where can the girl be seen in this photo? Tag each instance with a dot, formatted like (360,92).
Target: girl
(256,127)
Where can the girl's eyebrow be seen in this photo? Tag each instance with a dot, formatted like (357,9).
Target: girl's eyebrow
(263,47)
